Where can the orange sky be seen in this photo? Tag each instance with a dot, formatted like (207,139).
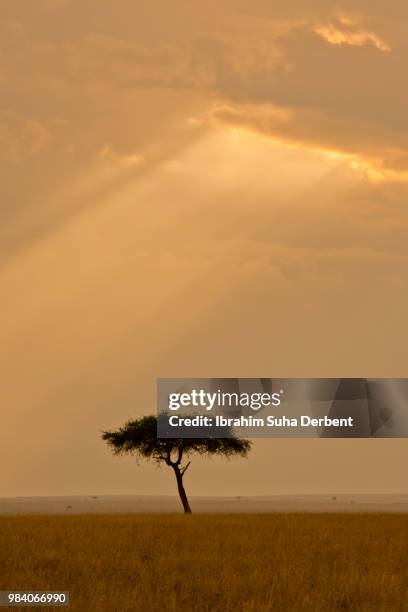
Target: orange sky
(197,189)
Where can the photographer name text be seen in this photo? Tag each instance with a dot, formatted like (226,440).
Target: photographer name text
(250,421)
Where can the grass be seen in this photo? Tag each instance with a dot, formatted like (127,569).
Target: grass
(282,562)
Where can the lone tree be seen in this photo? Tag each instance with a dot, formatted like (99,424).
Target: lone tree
(139,438)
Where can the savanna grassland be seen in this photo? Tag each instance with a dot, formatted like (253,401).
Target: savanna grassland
(283,562)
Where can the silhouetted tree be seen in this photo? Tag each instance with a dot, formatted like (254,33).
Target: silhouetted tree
(139,438)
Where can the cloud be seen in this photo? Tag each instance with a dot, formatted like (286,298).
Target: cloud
(107,153)
(345,32)
(110,82)
(367,148)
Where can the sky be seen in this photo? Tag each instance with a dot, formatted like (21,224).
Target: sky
(196,189)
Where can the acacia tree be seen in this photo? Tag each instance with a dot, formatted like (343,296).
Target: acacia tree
(139,438)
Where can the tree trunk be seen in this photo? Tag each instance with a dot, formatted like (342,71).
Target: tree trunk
(181,490)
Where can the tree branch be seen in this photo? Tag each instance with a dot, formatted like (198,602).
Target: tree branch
(180,455)
(184,469)
(168,458)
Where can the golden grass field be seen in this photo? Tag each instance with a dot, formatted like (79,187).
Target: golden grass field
(283,562)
